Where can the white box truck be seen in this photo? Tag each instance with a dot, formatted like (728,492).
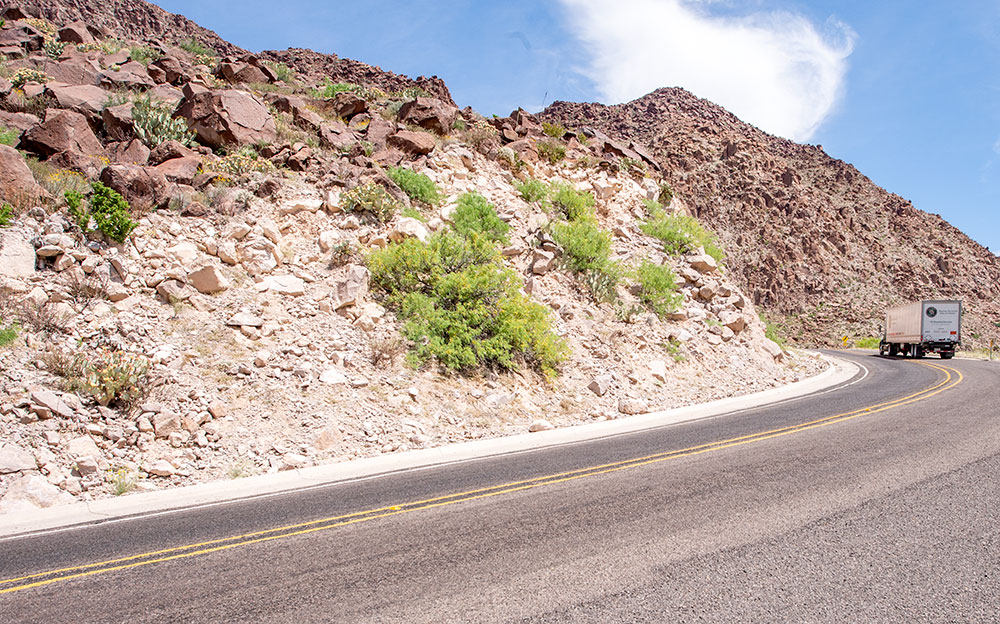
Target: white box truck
(916,329)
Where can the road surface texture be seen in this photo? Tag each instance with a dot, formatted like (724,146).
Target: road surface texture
(875,501)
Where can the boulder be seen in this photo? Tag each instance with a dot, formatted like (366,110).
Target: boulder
(165,423)
(118,122)
(142,187)
(180,170)
(17,185)
(172,69)
(17,254)
(132,76)
(52,402)
(703,263)
(347,105)
(15,459)
(243,319)
(353,288)
(284,285)
(161,468)
(76,32)
(62,131)
(170,150)
(86,99)
(601,384)
(408,227)
(540,425)
(208,280)
(236,73)
(430,113)
(413,142)
(31,492)
(632,406)
(19,121)
(132,152)
(228,117)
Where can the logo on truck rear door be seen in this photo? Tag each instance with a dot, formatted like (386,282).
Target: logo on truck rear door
(932,311)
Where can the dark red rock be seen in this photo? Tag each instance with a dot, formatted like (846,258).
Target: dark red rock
(413,142)
(429,113)
(142,187)
(76,32)
(62,130)
(180,170)
(17,185)
(228,118)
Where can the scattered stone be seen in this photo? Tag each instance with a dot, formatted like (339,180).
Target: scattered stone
(208,280)
(540,425)
(15,459)
(162,468)
(601,384)
(632,406)
(32,492)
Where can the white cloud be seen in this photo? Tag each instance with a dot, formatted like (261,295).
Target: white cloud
(775,70)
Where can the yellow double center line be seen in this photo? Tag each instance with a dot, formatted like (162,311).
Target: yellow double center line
(952,378)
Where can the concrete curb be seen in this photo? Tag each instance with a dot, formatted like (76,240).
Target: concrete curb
(220,492)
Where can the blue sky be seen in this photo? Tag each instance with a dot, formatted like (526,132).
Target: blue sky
(908,92)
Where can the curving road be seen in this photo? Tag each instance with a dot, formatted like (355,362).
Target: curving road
(875,501)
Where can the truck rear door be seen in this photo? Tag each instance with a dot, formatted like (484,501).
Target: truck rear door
(942,321)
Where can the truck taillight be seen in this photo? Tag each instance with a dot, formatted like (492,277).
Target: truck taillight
(953,333)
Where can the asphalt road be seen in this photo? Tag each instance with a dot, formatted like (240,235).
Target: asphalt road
(877,501)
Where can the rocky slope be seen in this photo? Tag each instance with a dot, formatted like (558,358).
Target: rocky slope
(236,329)
(808,236)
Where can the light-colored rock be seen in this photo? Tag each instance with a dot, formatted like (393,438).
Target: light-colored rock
(540,425)
(17,256)
(658,369)
(291,461)
(328,240)
(227,252)
(703,263)
(52,402)
(166,423)
(327,439)
(632,406)
(333,377)
(284,285)
(162,468)
(733,320)
(771,348)
(408,227)
(352,289)
(184,252)
(208,280)
(87,465)
(15,459)
(83,446)
(601,384)
(244,319)
(31,492)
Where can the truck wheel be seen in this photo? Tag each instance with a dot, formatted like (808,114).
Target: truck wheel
(893,350)
(947,356)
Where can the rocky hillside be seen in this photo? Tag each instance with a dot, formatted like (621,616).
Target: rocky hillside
(214,265)
(809,237)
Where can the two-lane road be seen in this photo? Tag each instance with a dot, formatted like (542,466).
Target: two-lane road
(876,501)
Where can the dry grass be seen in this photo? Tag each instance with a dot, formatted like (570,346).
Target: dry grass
(384,351)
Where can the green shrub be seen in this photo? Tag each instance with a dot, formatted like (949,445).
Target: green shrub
(7,334)
(573,204)
(773,330)
(532,190)
(475,214)
(6,214)
(413,213)
(658,287)
(552,151)
(869,342)
(155,123)
(282,72)
(666,194)
(586,247)
(195,47)
(74,203)
(416,185)
(242,161)
(372,199)
(9,136)
(462,307)
(330,89)
(679,233)
(555,131)
(143,54)
(111,212)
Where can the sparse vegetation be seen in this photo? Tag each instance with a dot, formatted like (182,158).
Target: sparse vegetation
(111,212)
(9,136)
(43,318)
(57,181)
(116,378)
(475,214)
(143,54)
(25,75)
(679,233)
(8,333)
(416,185)
(371,199)
(773,331)
(556,131)
(243,161)
(122,481)
(155,123)
(666,194)
(282,72)
(384,351)
(6,214)
(658,287)
(573,204)
(552,151)
(870,342)
(462,307)
(196,47)
(53,49)
(532,190)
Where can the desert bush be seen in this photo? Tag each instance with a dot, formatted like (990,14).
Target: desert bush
(6,214)
(143,54)
(196,47)
(532,190)
(330,89)
(242,161)
(509,158)
(55,180)
(552,151)
(869,342)
(116,378)
(155,123)
(70,366)
(8,333)
(9,136)
(573,204)
(679,233)
(475,214)
(666,194)
(773,330)
(111,212)
(416,185)
(122,481)
(556,131)
(385,350)
(371,199)
(462,307)
(25,75)
(480,135)
(54,49)
(658,287)
(342,254)
(42,318)
(586,247)
(282,72)
(413,213)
